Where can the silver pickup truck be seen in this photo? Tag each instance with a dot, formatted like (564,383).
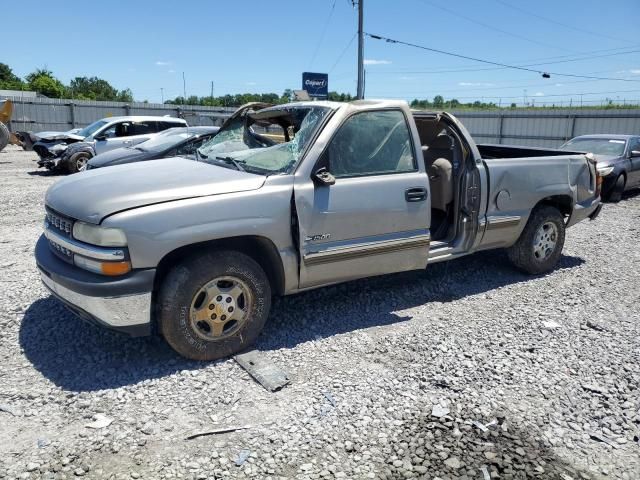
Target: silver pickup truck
(294,197)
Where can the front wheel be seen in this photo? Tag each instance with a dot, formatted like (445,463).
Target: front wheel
(540,245)
(618,189)
(78,162)
(214,305)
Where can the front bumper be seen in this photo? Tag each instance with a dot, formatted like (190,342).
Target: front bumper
(118,303)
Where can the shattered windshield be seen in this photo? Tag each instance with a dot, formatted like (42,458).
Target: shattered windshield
(91,129)
(269,141)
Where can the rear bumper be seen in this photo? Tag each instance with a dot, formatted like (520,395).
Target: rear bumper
(589,209)
(119,303)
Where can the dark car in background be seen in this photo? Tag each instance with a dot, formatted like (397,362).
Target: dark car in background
(173,142)
(618,161)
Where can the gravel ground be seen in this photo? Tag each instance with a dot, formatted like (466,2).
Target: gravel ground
(469,370)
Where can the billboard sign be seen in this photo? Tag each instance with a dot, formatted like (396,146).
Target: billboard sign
(316,84)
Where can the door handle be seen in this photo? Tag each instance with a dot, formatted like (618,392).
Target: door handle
(415,194)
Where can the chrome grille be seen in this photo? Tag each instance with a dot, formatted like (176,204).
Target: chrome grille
(62,224)
(64,253)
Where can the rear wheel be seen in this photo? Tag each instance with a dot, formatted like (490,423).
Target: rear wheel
(78,162)
(540,245)
(618,189)
(214,305)
(4,136)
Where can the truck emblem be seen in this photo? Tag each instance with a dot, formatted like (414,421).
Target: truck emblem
(316,238)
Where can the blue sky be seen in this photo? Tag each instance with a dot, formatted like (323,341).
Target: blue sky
(257,46)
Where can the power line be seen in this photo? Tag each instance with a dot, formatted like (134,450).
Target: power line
(324,31)
(545,96)
(555,22)
(343,52)
(502,68)
(504,65)
(492,27)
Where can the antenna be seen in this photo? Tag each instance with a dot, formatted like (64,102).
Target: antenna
(360,92)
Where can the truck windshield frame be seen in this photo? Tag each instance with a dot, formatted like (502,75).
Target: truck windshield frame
(250,140)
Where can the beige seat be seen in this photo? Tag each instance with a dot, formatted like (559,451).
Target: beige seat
(438,158)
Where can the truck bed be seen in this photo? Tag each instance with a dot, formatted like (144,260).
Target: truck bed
(489,151)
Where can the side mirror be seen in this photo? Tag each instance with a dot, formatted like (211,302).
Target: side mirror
(100,138)
(635,153)
(322,176)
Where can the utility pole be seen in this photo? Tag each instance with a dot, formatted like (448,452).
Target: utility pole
(212,90)
(162,94)
(360,93)
(184,89)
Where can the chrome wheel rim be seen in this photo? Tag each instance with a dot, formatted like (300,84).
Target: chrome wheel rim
(81,163)
(545,240)
(220,308)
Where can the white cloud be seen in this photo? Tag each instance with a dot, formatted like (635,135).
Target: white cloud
(161,63)
(635,71)
(406,78)
(171,71)
(370,61)
(250,83)
(538,94)
(559,84)
(475,84)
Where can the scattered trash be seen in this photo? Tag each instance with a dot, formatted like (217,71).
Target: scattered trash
(590,387)
(482,426)
(43,442)
(242,457)
(217,431)
(439,411)
(265,373)
(485,472)
(16,412)
(330,398)
(602,438)
(596,326)
(551,325)
(100,421)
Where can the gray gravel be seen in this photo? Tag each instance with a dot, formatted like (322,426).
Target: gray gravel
(469,370)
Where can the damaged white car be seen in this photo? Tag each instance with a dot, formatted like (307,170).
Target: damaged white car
(54,152)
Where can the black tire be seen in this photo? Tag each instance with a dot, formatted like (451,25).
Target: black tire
(181,290)
(618,189)
(4,136)
(526,255)
(77,162)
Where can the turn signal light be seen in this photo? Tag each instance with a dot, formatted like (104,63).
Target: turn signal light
(115,268)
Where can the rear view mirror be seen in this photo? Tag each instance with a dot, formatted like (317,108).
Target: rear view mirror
(635,153)
(322,176)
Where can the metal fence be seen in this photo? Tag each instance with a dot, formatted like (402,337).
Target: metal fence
(538,128)
(546,128)
(50,114)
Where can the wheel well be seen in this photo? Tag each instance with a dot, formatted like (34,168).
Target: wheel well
(564,203)
(261,249)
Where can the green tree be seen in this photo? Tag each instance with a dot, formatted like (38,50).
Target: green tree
(92,88)
(9,80)
(43,82)
(438,101)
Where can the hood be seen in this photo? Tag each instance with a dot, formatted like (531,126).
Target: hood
(70,135)
(92,195)
(118,156)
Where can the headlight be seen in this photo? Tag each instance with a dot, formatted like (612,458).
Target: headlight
(60,147)
(96,235)
(604,170)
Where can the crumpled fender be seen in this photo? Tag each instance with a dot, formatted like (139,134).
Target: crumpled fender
(78,147)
